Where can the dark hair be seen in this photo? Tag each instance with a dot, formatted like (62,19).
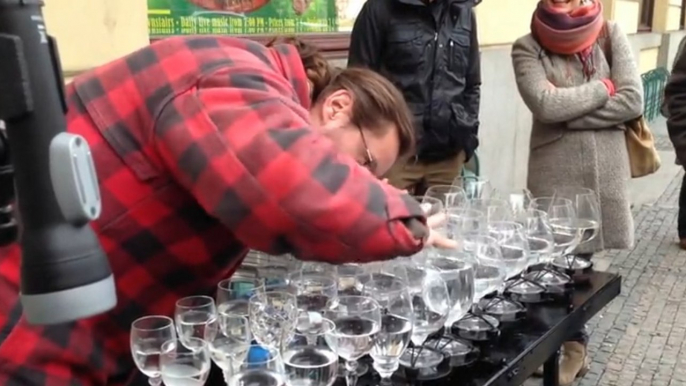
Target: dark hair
(376,100)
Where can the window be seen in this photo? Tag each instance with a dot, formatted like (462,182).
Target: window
(682,19)
(645,21)
(326,23)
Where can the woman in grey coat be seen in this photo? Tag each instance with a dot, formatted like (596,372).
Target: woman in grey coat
(577,75)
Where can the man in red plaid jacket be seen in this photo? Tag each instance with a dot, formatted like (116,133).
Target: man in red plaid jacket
(205,147)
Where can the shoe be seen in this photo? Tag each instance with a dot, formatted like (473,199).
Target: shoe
(682,244)
(574,363)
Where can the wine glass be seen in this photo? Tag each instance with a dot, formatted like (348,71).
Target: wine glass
(233,295)
(192,315)
(273,316)
(457,271)
(449,195)
(228,339)
(308,359)
(390,342)
(519,200)
(587,206)
(563,224)
(475,187)
(263,366)
(494,209)
(430,305)
(185,364)
(489,272)
(148,334)
(314,290)
(513,245)
(539,235)
(462,222)
(349,279)
(356,320)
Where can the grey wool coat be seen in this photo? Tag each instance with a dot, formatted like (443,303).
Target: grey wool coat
(578,136)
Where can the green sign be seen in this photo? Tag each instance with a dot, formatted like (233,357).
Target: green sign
(227,17)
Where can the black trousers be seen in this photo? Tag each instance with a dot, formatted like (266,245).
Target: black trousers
(681,222)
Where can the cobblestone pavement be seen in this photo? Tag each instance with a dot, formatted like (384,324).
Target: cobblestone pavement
(639,338)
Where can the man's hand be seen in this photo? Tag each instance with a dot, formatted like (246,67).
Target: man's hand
(436,239)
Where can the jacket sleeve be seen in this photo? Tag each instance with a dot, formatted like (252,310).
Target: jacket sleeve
(550,104)
(627,103)
(675,98)
(367,38)
(246,152)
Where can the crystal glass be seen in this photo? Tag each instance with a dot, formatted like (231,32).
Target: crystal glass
(185,364)
(233,295)
(314,290)
(228,341)
(587,207)
(390,342)
(148,334)
(513,246)
(475,187)
(562,220)
(431,205)
(192,315)
(490,271)
(539,234)
(349,279)
(494,209)
(519,200)
(450,196)
(308,359)
(263,366)
(462,223)
(272,317)
(457,271)
(357,319)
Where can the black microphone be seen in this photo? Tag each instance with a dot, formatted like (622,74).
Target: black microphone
(65,275)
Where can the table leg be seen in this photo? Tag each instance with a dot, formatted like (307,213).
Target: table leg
(551,370)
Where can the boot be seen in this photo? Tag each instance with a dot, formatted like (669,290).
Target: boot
(574,363)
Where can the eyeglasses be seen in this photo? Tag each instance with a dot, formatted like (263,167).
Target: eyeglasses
(370,163)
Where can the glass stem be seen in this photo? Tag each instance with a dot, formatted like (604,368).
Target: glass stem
(155,381)
(351,373)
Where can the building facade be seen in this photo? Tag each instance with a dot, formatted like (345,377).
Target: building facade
(92,32)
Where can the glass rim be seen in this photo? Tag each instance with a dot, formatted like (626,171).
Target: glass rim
(445,186)
(209,300)
(514,224)
(327,321)
(455,211)
(202,345)
(464,265)
(552,199)
(170,322)
(403,285)
(339,301)
(258,283)
(320,275)
(271,294)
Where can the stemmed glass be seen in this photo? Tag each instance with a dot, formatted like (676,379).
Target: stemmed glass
(396,323)
(263,366)
(357,319)
(185,364)
(513,245)
(518,200)
(449,195)
(148,334)
(430,304)
(539,235)
(462,223)
(314,290)
(273,316)
(490,271)
(308,359)
(474,187)
(588,216)
(228,341)
(233,295)
(349,279)
(494,209)
(193,314)
(457,271)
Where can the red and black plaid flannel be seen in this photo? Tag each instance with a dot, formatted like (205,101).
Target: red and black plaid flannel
(203,149)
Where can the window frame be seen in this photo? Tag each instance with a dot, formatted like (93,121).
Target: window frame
(682,18)
(645,15)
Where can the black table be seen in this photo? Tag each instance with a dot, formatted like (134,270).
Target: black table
(524,346)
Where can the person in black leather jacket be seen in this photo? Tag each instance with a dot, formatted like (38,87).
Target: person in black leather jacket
(430,51)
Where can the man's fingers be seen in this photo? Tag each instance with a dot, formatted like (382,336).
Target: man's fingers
(437,240)
(436,220)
